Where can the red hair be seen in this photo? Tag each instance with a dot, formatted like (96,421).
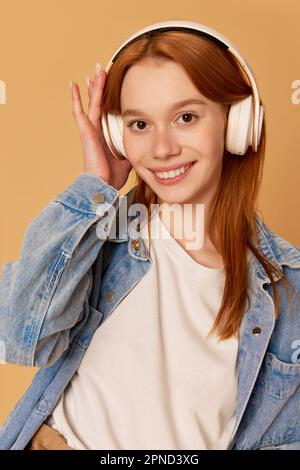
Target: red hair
(219,77)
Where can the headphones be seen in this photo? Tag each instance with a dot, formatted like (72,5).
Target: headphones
(245,117)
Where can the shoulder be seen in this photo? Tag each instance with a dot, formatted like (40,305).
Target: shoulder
(284,252)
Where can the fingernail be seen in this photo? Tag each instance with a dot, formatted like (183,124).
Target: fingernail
(71,84)
(87,81)
(98,69)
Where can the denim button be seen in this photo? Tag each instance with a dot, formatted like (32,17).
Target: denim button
(99,198)
(109,296)
(256,331)
(136,244)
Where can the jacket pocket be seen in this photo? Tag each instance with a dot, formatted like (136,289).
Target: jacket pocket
(281,379)
(272,414)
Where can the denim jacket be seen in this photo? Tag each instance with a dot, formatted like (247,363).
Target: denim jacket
(70,276)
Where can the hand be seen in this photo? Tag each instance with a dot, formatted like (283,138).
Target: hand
(98,159)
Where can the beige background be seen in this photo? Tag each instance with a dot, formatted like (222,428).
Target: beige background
(43,44)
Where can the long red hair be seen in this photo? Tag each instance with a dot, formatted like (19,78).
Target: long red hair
(219,77)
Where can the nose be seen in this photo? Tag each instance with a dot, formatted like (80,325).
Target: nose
(165,143)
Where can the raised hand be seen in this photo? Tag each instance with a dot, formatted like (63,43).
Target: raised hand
(98,159)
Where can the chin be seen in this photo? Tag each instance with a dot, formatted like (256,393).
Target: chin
(177,197)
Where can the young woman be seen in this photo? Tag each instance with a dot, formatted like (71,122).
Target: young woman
(202,348)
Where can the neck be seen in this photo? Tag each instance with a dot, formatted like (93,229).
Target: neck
(189,225)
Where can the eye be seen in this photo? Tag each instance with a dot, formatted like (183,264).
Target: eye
(133,122)
(130,124)
(189,114)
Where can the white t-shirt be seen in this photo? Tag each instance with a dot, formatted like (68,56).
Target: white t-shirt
(151,379)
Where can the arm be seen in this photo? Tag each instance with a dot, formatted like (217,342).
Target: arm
(43,292)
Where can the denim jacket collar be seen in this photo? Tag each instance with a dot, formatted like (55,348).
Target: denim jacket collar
(275,248)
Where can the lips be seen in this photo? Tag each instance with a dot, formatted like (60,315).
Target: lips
(175,179)
(170,168)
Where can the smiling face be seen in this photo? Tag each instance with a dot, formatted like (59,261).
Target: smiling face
(157,133)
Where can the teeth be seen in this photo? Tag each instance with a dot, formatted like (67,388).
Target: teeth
(173,173)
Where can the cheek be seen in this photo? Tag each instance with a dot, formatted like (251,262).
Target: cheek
(209,140)
(218,142)
(217,136)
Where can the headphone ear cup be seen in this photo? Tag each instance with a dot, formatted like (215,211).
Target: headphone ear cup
(260,122)
(112,127)
(115,129)
(239,132)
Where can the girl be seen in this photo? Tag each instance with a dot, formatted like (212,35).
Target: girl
(202,349)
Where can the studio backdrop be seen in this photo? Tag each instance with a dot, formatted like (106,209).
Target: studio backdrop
(45,44)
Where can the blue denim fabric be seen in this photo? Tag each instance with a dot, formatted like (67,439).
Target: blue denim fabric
(70,276)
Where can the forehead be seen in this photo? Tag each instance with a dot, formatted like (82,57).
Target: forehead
(150,81)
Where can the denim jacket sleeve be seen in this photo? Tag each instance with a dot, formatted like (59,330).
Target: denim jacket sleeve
(43,292)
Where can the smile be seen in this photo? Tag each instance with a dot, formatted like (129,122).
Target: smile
(174,176)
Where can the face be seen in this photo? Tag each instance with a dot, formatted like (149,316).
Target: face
(158,133)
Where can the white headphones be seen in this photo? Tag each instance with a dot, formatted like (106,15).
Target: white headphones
(245,117)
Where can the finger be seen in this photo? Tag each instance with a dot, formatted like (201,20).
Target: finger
(77,109)
(94,111)
(91,91)
(90,86)
(96,124)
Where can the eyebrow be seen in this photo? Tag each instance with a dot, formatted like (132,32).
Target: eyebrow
(179,104)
